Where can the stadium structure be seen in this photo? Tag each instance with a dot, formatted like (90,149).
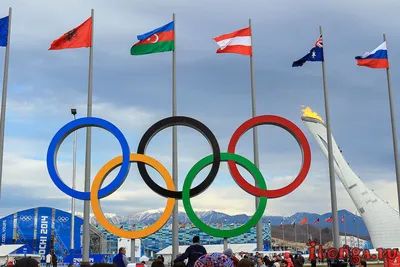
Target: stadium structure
(381,219)
(163,238)
(42,229)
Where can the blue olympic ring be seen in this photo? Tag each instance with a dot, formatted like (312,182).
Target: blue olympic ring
(73,126)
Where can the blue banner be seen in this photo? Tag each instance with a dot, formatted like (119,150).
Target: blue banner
(7,226)
(78,234)
(43,233)
(93,258)
(24,230)
(62,233)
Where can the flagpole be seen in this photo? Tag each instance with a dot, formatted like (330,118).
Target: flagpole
(283,229)
(335,222)
(295,233)
(345,232)
(358,236)
(394,134)
(255,139)
(86,204)
(320,237)
(308,233)
(4,96)
(175,234)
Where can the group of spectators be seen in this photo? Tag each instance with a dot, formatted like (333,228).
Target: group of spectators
(287,260)
(196,256)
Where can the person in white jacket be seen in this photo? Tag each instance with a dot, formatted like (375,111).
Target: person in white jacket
(48,260)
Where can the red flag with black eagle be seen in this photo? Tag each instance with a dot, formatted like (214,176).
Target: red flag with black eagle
(78,37)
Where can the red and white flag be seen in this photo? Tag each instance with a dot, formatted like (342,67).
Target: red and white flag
(342,219)
(238,42)
(329,219)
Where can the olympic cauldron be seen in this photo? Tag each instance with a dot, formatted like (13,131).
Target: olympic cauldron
(170,192)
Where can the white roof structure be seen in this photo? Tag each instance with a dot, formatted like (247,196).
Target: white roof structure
(7,249)
(381,219)
(214,248)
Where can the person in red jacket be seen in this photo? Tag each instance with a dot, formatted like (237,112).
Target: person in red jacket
(288,260)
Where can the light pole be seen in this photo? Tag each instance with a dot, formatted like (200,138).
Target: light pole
(72,246)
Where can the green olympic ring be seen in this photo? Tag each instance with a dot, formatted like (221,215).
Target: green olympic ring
(250,167)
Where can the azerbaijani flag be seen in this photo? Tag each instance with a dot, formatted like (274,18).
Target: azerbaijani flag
(156,41)
(377,59)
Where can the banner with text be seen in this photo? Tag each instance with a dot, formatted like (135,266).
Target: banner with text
(93,258)
(7,227)
(43,232)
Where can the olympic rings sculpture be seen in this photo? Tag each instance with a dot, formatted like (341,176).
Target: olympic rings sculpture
(170,192)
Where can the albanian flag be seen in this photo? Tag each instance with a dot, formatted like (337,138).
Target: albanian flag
(78,37)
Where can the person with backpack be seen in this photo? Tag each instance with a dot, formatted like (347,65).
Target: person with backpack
(192,253)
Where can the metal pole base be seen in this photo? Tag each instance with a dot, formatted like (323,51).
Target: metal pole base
(225,243)
(85,264)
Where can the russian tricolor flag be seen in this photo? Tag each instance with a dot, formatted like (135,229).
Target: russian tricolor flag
(376,59)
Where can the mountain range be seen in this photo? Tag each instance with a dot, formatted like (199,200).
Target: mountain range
(149,217)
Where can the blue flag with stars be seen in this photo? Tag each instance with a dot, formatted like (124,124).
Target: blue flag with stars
(3,31)
(316,54)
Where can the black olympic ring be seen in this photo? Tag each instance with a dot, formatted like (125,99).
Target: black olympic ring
(181,121)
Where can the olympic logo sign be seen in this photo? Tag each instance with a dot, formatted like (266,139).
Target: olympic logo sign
(25,218)
(170,192)
(62,219)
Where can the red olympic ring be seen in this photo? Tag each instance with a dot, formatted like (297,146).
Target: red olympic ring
(294,131)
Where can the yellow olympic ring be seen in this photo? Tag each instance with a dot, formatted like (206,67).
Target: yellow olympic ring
(101,176)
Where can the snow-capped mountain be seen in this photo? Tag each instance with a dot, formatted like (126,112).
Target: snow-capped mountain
(150,216)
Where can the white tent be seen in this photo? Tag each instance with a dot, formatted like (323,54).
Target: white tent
(6,250)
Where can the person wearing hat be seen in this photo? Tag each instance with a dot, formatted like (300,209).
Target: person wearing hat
(229,253)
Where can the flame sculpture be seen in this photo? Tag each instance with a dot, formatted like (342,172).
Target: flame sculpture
(382,220)
(307,112)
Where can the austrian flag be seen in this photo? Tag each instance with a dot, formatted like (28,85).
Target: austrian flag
(238,42)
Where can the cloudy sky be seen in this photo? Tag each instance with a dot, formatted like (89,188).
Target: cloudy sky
(135,92)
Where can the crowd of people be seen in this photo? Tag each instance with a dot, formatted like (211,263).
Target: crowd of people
(195,256)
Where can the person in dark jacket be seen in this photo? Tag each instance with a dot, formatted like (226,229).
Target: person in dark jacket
(120,259)
(192,253)
(298,261)
(313,263)
(54,259)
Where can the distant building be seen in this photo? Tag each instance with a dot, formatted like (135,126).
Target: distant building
(163,238)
